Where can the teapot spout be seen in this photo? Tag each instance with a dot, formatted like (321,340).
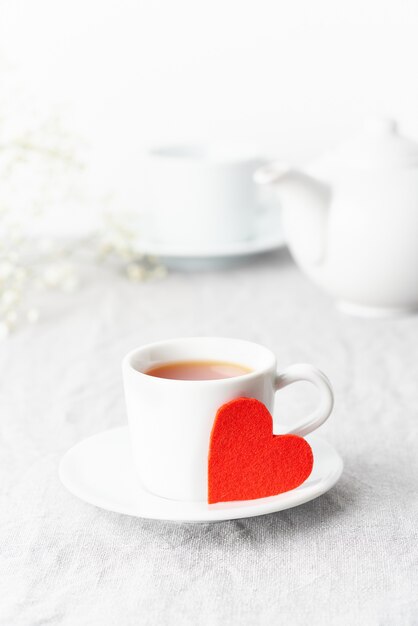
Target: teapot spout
(305,203)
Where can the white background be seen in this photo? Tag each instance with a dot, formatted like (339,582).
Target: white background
(294,76)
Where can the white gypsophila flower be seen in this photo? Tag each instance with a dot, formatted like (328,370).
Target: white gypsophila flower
(55,274)
(135,272)
(4,330)
(160,271)
(6,270)
(70,283)
(119,241)
(20,275)
(9,298)
(32,315)
(37,168)
(38,173)
(11,318)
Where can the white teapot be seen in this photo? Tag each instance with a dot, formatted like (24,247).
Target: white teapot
(351,220)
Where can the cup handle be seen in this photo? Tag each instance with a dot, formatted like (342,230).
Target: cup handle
(304,371)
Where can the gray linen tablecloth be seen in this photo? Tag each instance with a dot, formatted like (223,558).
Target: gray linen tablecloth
(349,557)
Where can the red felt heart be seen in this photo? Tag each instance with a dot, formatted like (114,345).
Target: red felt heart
(246,461)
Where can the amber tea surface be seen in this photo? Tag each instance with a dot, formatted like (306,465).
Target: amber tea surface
(198,370)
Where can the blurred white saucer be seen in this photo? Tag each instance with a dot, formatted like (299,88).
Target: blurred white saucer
(268,236)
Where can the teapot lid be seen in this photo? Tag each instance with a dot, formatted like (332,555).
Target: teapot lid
(379,146)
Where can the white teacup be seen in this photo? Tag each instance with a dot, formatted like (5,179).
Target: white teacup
(201,195)
(171,420)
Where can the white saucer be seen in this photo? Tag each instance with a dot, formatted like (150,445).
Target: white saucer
(267,237)
(99,470)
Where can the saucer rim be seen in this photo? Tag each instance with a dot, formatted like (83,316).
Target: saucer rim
(217,512)
(260,243)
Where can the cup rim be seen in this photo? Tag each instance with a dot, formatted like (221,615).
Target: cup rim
(270,361)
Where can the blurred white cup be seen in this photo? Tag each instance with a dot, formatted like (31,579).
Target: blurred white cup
(202,194)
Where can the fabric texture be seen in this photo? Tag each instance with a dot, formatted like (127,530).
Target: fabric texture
(349,557)
(247,461)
